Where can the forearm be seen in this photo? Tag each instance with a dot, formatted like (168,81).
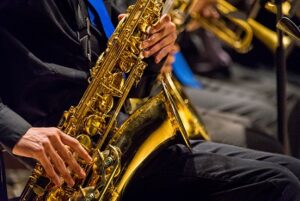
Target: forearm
(12,127)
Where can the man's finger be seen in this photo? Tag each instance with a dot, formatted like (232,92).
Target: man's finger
(59,164)
(75,145)
(121,16)
(174,50)
(160,25)
(163,53)
(155,38)
(169,40)
(166,69)
(67,156)
(74,166)
(45,162)
(170,60)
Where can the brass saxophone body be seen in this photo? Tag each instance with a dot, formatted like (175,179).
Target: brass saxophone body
(179,11)
(188,115)
(117,151)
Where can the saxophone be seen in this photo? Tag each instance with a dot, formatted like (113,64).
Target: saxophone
(118,151)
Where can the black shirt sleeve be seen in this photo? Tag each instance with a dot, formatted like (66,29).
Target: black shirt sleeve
(12,127)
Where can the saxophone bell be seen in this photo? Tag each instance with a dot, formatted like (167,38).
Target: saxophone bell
(191,121)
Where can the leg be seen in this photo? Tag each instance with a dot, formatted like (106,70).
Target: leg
(217,172)
(236,130)
(292,164)
(248,105)
(253,97)
(236,117)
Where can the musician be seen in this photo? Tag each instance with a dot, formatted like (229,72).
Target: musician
(50,73)
(44,71)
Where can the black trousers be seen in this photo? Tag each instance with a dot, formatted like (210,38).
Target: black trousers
(217,172)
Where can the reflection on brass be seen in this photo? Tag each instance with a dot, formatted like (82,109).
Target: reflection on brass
(94,120)
(191,121)
(286,7)
(268,37)
(180,11)
(234,32)
(151,127)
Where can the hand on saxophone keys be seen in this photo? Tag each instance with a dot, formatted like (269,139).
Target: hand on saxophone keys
(167,67)
(161,40)
(51,147)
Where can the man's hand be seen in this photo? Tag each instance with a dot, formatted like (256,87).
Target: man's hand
(161,40)
(51,147)
(205,7)
(167,67)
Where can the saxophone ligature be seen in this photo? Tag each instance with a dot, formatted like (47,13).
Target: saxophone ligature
(117,151)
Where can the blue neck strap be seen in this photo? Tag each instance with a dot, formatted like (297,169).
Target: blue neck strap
(183,72)
(106,22)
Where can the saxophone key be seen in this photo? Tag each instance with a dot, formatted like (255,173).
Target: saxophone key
(105,103)
(85,141)
(127,61)
(94,124)
(86,194)
(113,84)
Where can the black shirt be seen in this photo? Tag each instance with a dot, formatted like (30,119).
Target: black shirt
(43,66)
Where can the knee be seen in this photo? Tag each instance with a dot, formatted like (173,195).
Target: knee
(286,184)
(290,163)
(291,192)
